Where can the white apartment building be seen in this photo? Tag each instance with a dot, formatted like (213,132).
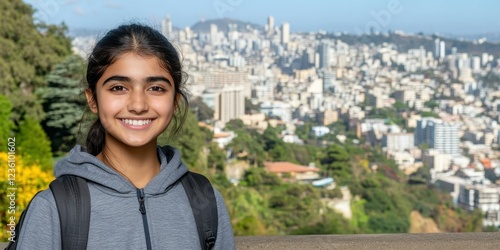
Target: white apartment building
(398,141)
(438,134)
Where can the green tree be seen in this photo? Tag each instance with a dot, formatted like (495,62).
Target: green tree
(6,124)
(27,53)
(235,124)
(34,145)
(400,106)
(429,114)
(336,162)
(250,107)
(216,158)
(202,111)
(431,104)
(304,131)
(64,103)
(189,140)
(246,146)
(257,177)
(276,149)
(421,176)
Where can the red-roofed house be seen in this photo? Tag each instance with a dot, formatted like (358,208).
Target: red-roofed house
(288,170)
(486,163)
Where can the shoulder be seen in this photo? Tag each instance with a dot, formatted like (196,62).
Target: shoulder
(41,207)
(43,200)
(218,197)
(40,226)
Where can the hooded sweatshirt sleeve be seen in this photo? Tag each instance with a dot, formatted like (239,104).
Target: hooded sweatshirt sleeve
(40,228)
(225,236)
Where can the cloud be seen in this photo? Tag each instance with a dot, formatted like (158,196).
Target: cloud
(113,5)
(79,11)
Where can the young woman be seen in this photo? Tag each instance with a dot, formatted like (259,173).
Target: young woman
(136,89)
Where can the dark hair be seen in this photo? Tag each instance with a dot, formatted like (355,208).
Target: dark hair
(144,41)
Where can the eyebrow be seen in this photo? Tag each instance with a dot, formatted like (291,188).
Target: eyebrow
(148,79)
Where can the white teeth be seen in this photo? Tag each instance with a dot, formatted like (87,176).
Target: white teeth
(136,122)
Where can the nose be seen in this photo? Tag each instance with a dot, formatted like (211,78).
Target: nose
(138,102)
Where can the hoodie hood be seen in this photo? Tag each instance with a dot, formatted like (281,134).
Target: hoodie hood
(87,166)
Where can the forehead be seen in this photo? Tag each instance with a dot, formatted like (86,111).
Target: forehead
(136,66)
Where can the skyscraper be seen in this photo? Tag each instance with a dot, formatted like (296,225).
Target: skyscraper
(324,54)
(442,50)
(285,33)
(436,48)
(166,28)
(213,34)
(229,103)
(437,134)
(270,25)
(444,136)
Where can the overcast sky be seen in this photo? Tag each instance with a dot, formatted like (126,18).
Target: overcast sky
(354,16)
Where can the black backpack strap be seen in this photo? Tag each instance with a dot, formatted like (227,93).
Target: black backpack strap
(13,244)
(202,199)
(73,202)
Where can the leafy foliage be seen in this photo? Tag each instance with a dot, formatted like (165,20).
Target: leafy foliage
(29,179)
(336,163)
(216,158)
(6,124)
(202,111)
(189,141)
(27,53)
(34,145)
(63,103)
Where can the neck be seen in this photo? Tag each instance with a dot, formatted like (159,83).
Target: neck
(137,164)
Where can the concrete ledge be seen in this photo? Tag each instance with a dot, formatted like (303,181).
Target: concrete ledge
(444,241)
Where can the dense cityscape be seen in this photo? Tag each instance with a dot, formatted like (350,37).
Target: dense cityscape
(445,97)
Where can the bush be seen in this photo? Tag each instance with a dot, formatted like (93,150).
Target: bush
(34,145)
(6,124)
(29,179)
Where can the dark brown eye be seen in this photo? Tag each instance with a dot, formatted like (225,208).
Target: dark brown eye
(157,89)
(118,88)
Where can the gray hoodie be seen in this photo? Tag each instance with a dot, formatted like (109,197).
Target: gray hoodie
(115,219)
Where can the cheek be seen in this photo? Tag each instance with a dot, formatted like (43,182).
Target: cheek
(109,107)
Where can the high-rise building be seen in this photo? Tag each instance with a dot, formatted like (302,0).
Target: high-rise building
(438,135)
(484,59)
(324,54)
(166,28)
(444,136)
(476,64)
(229,103)
(214,38)
(270,25)
(398,141)
(421,136)
(442,50)
(479,196)
(285,33)
(436,48)
(329,81)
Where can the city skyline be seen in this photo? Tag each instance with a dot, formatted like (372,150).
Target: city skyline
(457,18)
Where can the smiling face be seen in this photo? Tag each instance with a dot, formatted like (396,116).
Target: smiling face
(135,100)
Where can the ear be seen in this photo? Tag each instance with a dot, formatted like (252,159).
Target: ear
(90,101)
(177,100)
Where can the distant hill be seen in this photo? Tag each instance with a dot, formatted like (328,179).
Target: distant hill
(223,25)
(405,42)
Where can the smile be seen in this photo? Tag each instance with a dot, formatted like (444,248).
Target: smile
(136,122)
